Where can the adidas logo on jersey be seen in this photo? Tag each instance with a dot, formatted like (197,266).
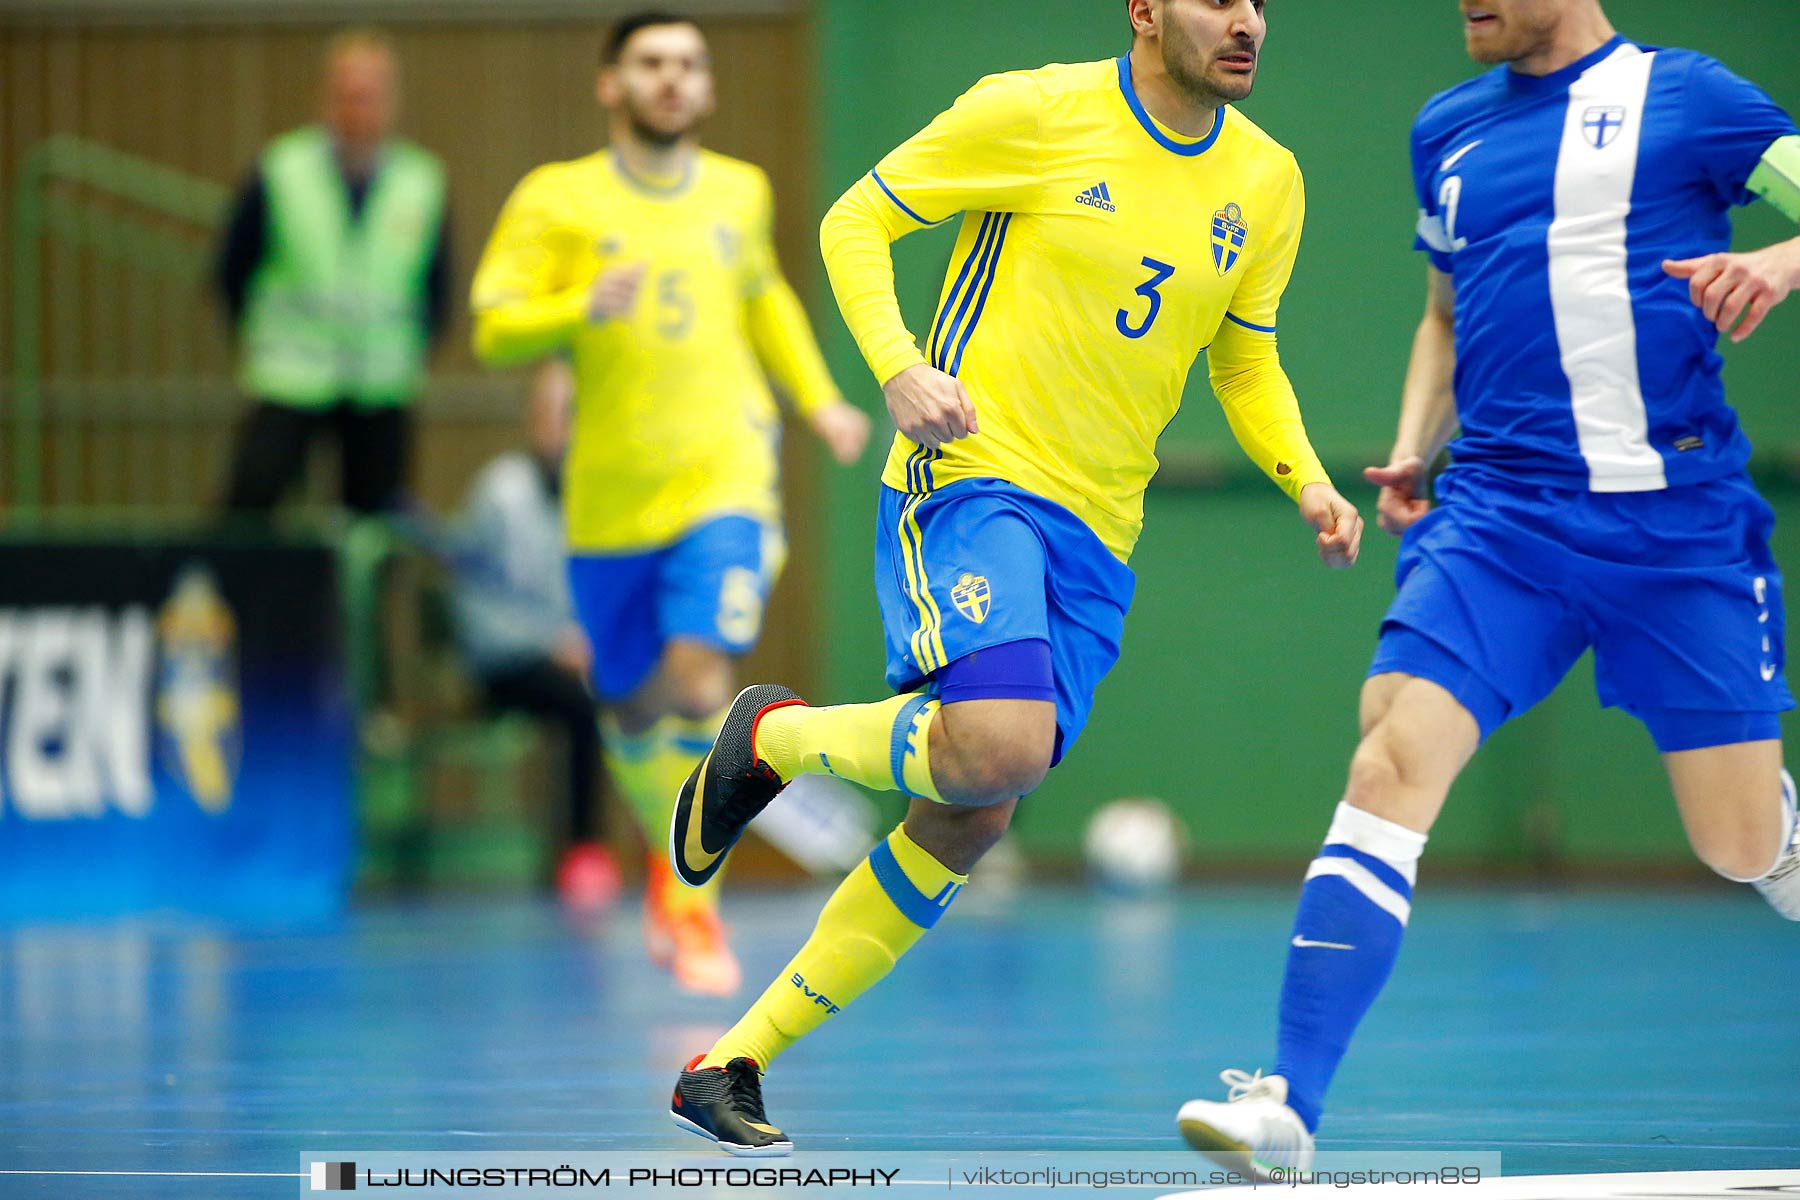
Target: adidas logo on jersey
(1098,197)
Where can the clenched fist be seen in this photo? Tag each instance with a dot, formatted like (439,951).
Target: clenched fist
(615,291)
(929,406)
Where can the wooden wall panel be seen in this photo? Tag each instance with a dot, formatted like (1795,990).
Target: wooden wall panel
(493,100)
(140,405)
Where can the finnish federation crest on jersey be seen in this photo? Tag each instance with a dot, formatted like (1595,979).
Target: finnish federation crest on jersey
(972,597)
(1228,233)
(1602,124)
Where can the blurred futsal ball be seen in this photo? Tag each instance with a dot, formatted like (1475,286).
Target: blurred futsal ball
(1133,846)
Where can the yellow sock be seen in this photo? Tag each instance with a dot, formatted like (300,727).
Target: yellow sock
(874,917)
(630,762)
(884,746)
(649,770)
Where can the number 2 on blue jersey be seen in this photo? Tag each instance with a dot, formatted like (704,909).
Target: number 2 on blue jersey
(1450,199)
(1160,275)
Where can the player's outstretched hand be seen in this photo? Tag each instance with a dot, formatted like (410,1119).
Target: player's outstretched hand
(1399,503)
(1728,286)
(615,291)
(1340,526)
(929,406)
(844,428)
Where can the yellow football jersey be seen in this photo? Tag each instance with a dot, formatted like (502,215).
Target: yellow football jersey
(1099,254)
(675,423)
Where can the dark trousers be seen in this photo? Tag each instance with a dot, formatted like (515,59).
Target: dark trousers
(373,443)
(545,690)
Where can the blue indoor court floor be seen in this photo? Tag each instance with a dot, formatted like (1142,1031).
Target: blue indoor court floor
(1571,1031)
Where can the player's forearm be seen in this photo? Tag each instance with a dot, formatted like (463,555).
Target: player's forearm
(1264,415)
(855,240)
(784,342)
(527,330)
(1787,255)
(1428,400)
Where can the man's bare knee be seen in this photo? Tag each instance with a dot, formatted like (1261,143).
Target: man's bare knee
(1740,853)
(634,716)
(1007,773)
(984,756)
(1376,776)
(1731,803)
(699,699)
(1416,739)
(697,680)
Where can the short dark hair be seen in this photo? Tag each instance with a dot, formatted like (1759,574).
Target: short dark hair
(629,25)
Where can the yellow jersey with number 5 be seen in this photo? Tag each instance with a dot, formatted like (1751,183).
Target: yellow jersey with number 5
(675,422)
(1099,254)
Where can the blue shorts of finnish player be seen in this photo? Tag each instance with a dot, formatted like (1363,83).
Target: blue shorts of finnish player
(972,574)
(710,587)
(1504,585)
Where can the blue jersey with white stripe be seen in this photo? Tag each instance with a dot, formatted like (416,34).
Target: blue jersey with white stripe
(1553,201)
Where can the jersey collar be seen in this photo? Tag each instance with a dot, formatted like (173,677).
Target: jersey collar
(1173,145)
(650,187)
(1556,81)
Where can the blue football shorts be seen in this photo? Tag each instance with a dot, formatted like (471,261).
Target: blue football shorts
(1504,585)
(710,586)
(980,564)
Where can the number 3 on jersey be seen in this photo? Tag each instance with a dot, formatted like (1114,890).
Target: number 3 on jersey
(1160,273)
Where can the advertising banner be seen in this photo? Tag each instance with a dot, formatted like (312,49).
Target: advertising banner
(175,730)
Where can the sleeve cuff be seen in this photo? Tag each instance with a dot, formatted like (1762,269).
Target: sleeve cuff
(1299,477)
(894,360)
(812,402)
(1433,237)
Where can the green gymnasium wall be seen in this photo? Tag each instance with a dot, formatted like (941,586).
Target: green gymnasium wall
(1235,699)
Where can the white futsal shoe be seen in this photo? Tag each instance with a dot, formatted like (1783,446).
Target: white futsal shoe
(1253,1131)
(1781,886)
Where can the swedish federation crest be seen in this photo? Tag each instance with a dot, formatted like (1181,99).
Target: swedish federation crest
(1602,123)
(726,239)
(199,712)
(972,597)
(1228,233)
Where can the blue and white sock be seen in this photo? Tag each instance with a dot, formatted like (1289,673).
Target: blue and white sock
(1790,811)
(1354,906)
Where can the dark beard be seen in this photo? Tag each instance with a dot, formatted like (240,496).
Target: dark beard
(650,136)
(1197,87)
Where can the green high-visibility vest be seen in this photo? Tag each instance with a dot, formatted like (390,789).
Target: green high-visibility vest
(337,307)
